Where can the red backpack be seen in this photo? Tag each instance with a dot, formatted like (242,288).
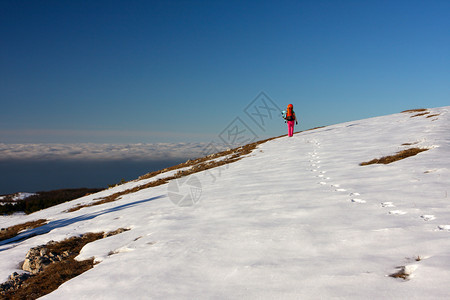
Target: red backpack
(290,114)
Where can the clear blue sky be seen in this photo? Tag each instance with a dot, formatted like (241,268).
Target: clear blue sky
(169,71)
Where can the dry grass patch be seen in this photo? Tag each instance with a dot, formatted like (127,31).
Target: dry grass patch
(419,111)
(421,114)
(10,232)
(401,273)
(414,110)
(392,158)
(406,272)
(435,115)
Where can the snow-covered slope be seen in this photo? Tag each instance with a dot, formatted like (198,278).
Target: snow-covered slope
(297,218)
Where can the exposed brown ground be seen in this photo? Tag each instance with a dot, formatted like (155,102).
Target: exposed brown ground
(414,110)
(421,114)
(392,158)
(435,115)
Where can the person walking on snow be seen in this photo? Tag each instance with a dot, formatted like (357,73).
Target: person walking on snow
(290,119)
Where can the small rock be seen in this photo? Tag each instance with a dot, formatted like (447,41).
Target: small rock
(13,276)
(27,265)
(43,251)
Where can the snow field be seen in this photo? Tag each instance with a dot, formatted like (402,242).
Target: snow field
(297,218)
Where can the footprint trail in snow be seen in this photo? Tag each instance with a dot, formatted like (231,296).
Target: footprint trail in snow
(322,178)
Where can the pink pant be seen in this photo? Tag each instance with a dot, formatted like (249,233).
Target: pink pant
(290,127)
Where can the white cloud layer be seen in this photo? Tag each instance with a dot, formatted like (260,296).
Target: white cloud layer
(156,151)
(30,136)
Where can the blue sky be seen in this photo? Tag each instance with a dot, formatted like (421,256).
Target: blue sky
(181,71)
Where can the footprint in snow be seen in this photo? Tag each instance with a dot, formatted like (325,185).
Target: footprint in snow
(444,227)
(397,212)
(123,249)
(428,217)
(387,204)
(320,176)
(356,200)
(338,188)
(322,183)
(355,194)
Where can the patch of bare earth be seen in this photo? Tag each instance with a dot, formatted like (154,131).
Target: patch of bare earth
(401,273)
(392,158)
(420,112)
(10,232)
(49,266)
(434,115)
(414,110)
(405,272)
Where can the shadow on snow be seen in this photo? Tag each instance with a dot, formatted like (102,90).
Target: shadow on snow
(69,221)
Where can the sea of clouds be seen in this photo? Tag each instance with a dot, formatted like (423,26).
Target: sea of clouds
(99,152)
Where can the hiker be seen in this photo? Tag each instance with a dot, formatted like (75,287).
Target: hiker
(290,119)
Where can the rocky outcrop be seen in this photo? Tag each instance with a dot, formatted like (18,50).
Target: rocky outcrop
(14,282)
(38,258)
